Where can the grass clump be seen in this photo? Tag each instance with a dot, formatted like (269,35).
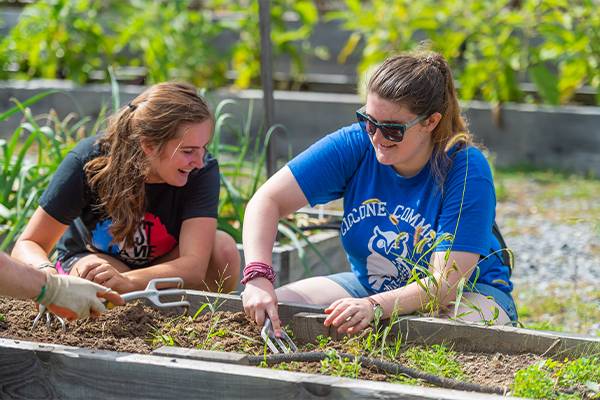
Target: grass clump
(567,379)
(436,360)
(337,365)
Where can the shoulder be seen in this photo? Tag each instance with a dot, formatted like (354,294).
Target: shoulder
(87,148)
(471,161)
(342,148)
(349,135)
(348,141)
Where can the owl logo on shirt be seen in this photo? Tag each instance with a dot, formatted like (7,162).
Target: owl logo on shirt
(386,265)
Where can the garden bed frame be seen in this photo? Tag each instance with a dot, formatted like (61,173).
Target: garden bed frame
(35,370)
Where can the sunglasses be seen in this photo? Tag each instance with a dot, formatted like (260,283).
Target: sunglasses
(392,132)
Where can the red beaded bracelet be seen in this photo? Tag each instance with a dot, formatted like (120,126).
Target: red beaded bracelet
(257,269)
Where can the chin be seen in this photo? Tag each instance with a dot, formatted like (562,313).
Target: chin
(386,160)
(177,182)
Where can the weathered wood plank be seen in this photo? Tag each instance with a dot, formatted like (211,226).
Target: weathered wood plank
(463,337)
(31,370)
(202,355)
(233,303)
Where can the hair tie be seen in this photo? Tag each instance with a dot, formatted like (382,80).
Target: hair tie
(132,107)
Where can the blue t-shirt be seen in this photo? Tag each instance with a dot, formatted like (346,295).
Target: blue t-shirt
(391,223)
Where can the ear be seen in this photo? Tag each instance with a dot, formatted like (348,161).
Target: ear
(147,147)
(432,121)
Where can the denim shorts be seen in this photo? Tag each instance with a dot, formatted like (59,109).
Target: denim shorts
(352,285)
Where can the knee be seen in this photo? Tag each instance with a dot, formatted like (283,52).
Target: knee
(226,250)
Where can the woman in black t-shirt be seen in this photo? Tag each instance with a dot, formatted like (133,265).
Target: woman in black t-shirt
(139,201)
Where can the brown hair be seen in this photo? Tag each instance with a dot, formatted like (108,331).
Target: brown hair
(422,82)
(117,176)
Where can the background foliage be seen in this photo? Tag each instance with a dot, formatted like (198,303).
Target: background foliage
(170,39)
(493,46)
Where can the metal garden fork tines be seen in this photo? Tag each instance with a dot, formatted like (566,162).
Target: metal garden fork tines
(47,315)
(153,294)
(277,345)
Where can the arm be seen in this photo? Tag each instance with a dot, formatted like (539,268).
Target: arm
(433,292)
(66,296)
(279,196)
(19,280)
(441,287)
(38,239)
(195,245)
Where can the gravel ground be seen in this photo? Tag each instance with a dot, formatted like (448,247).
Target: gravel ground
(554,240)
(553,227)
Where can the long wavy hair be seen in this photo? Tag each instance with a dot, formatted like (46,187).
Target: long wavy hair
(117,176)
(422,82)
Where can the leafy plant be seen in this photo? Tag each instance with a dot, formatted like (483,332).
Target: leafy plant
(491,46)
(163,40)
(288,39)
(551,379)
(437,360)
(61,39)
(336,365)
(533,382)
(29,158)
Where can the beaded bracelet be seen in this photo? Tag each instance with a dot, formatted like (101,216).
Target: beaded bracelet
(257,269)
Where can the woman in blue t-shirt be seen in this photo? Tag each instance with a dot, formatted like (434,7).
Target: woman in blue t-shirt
(419,210)
(139,201)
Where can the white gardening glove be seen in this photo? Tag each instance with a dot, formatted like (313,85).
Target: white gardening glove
(71,297)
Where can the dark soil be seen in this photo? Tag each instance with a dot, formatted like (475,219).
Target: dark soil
(138,328)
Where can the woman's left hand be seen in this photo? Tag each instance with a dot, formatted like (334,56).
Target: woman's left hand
(350,315)
(107,275)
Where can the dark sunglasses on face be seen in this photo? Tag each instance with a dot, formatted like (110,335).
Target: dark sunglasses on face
(392,132)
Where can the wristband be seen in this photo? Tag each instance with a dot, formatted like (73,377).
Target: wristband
(257,269)
(41,295)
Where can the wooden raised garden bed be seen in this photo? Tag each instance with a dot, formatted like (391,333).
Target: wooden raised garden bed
(32,369)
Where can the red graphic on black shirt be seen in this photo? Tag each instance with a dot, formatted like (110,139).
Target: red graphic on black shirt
(151,240)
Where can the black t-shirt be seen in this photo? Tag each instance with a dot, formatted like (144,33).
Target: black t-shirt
(70,200)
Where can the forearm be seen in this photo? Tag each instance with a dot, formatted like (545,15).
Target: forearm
(431,293)
(19,280)
(29,252)
(190,268)
(414,297)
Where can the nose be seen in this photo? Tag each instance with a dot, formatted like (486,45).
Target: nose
(377,136)
(198,160)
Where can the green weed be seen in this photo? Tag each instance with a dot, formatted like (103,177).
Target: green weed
(533,382)
(437,360)
(565,379)
(336,365)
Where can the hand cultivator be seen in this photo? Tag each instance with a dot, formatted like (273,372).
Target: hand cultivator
(151,293)
(42,311)
(273,342)
(154,295)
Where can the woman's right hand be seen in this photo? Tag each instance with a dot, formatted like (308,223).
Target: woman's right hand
(260,301)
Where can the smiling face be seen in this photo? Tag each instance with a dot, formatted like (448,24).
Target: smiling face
(410,155)
(180,155)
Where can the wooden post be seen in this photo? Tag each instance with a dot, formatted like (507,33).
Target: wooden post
(266,77)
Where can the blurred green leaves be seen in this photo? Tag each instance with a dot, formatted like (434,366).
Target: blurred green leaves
(490,45)
(168,39)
